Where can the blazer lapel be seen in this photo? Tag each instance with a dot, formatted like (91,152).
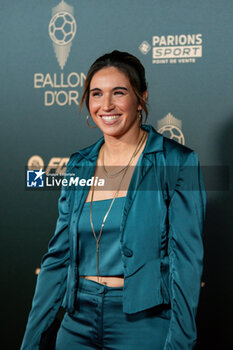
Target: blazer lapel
(143,166)
(154,144)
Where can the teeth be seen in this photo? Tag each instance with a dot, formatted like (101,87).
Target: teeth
(112,117)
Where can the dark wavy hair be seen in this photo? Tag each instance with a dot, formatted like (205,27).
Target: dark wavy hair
(126,63)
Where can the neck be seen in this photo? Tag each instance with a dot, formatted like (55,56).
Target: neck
(118,150)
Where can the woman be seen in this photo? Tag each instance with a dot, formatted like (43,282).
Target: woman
(125,261)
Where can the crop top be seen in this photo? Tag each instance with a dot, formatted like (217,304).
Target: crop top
(110,260)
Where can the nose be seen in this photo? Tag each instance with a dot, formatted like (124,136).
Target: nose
(107,103)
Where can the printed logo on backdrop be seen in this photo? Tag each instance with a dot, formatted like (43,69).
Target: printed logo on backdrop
(62,30)
(171,127)
(61,89)
(172,49)
(55,165)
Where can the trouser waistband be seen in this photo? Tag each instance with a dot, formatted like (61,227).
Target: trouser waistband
(94,287)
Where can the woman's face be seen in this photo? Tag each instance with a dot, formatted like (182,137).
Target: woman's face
(113,104)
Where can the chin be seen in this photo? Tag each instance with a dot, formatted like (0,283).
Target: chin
(113,133)
(117,129)
(111,130)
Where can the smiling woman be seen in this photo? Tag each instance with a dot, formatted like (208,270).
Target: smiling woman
(113,104)
(126,261)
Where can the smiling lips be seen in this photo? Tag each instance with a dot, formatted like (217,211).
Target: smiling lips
(110,118)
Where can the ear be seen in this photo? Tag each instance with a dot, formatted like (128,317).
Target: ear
(145,97)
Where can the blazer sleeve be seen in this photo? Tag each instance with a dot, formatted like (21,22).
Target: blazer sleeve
(51,281)
(186,214)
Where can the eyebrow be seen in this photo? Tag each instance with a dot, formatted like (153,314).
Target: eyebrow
(115,88)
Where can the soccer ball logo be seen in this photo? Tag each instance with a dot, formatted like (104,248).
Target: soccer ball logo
(62,28)
(172,132)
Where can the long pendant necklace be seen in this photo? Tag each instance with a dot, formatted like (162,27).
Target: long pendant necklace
(138,147)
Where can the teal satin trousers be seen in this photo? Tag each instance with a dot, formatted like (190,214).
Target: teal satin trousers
(99,322)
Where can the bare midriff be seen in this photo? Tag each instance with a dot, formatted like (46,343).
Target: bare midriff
(110,281)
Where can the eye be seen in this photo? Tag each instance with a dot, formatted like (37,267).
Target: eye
(118,92)
(96,93)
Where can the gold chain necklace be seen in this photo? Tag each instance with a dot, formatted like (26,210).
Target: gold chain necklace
(138,147)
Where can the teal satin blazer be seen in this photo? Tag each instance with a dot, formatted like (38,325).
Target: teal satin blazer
(161,241)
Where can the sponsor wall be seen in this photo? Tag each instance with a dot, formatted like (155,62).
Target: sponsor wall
(46,50)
